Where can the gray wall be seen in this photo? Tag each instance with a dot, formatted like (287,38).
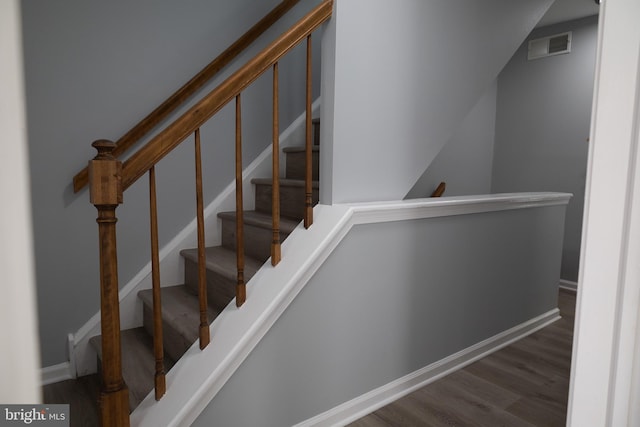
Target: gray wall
(365,320)
(542,126)
(465,162)
(407,72)
(93,69)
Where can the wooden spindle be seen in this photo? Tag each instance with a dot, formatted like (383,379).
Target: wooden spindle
(308,201)
(105,177)
(158,346)
(275,195)
(202,266)
(241,290)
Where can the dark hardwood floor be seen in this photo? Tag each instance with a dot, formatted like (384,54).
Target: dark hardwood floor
(524,384)
(82,397)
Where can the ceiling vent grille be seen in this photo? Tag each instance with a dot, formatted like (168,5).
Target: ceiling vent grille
(549,46)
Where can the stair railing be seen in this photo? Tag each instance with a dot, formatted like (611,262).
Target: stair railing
(189,89)
(109,177)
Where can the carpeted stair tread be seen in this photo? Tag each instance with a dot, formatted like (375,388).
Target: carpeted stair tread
(223,261)
(285,182)
(138,363)
(299,149)
(180,310)
(262,220)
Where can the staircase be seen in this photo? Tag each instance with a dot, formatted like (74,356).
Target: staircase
(133,362)
(180,307)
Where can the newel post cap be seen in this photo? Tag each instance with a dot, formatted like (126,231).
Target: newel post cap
(105,175)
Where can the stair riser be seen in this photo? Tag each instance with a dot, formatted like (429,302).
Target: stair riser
(257,240)
(220,289)
(175,345)
(291,200)
(296,163)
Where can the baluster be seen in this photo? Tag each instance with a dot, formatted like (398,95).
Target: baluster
(308,201)
(202,267)
(275,195)
(158,346)
(241,291)
(105,176)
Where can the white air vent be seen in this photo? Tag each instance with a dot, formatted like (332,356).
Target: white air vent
(548,46)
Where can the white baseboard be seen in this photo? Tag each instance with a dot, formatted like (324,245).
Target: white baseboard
(61,371)
(357,408)
(568,285)
(56,373)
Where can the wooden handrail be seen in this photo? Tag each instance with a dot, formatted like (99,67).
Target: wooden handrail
(439,191)
(158,147)
(191,87)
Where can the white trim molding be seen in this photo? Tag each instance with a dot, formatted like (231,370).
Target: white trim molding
(359,407)
(568,285)
(62,371)
(449,206)
(56,373)
(605,374)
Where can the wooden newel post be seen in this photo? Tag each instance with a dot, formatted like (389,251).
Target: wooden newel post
(105,181)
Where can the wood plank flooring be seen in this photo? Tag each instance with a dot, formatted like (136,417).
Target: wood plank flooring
(525,384)
(81,395)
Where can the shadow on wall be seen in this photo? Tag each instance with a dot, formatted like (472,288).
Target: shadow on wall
(464,163)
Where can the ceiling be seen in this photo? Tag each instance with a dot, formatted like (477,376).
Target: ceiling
(566,10)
